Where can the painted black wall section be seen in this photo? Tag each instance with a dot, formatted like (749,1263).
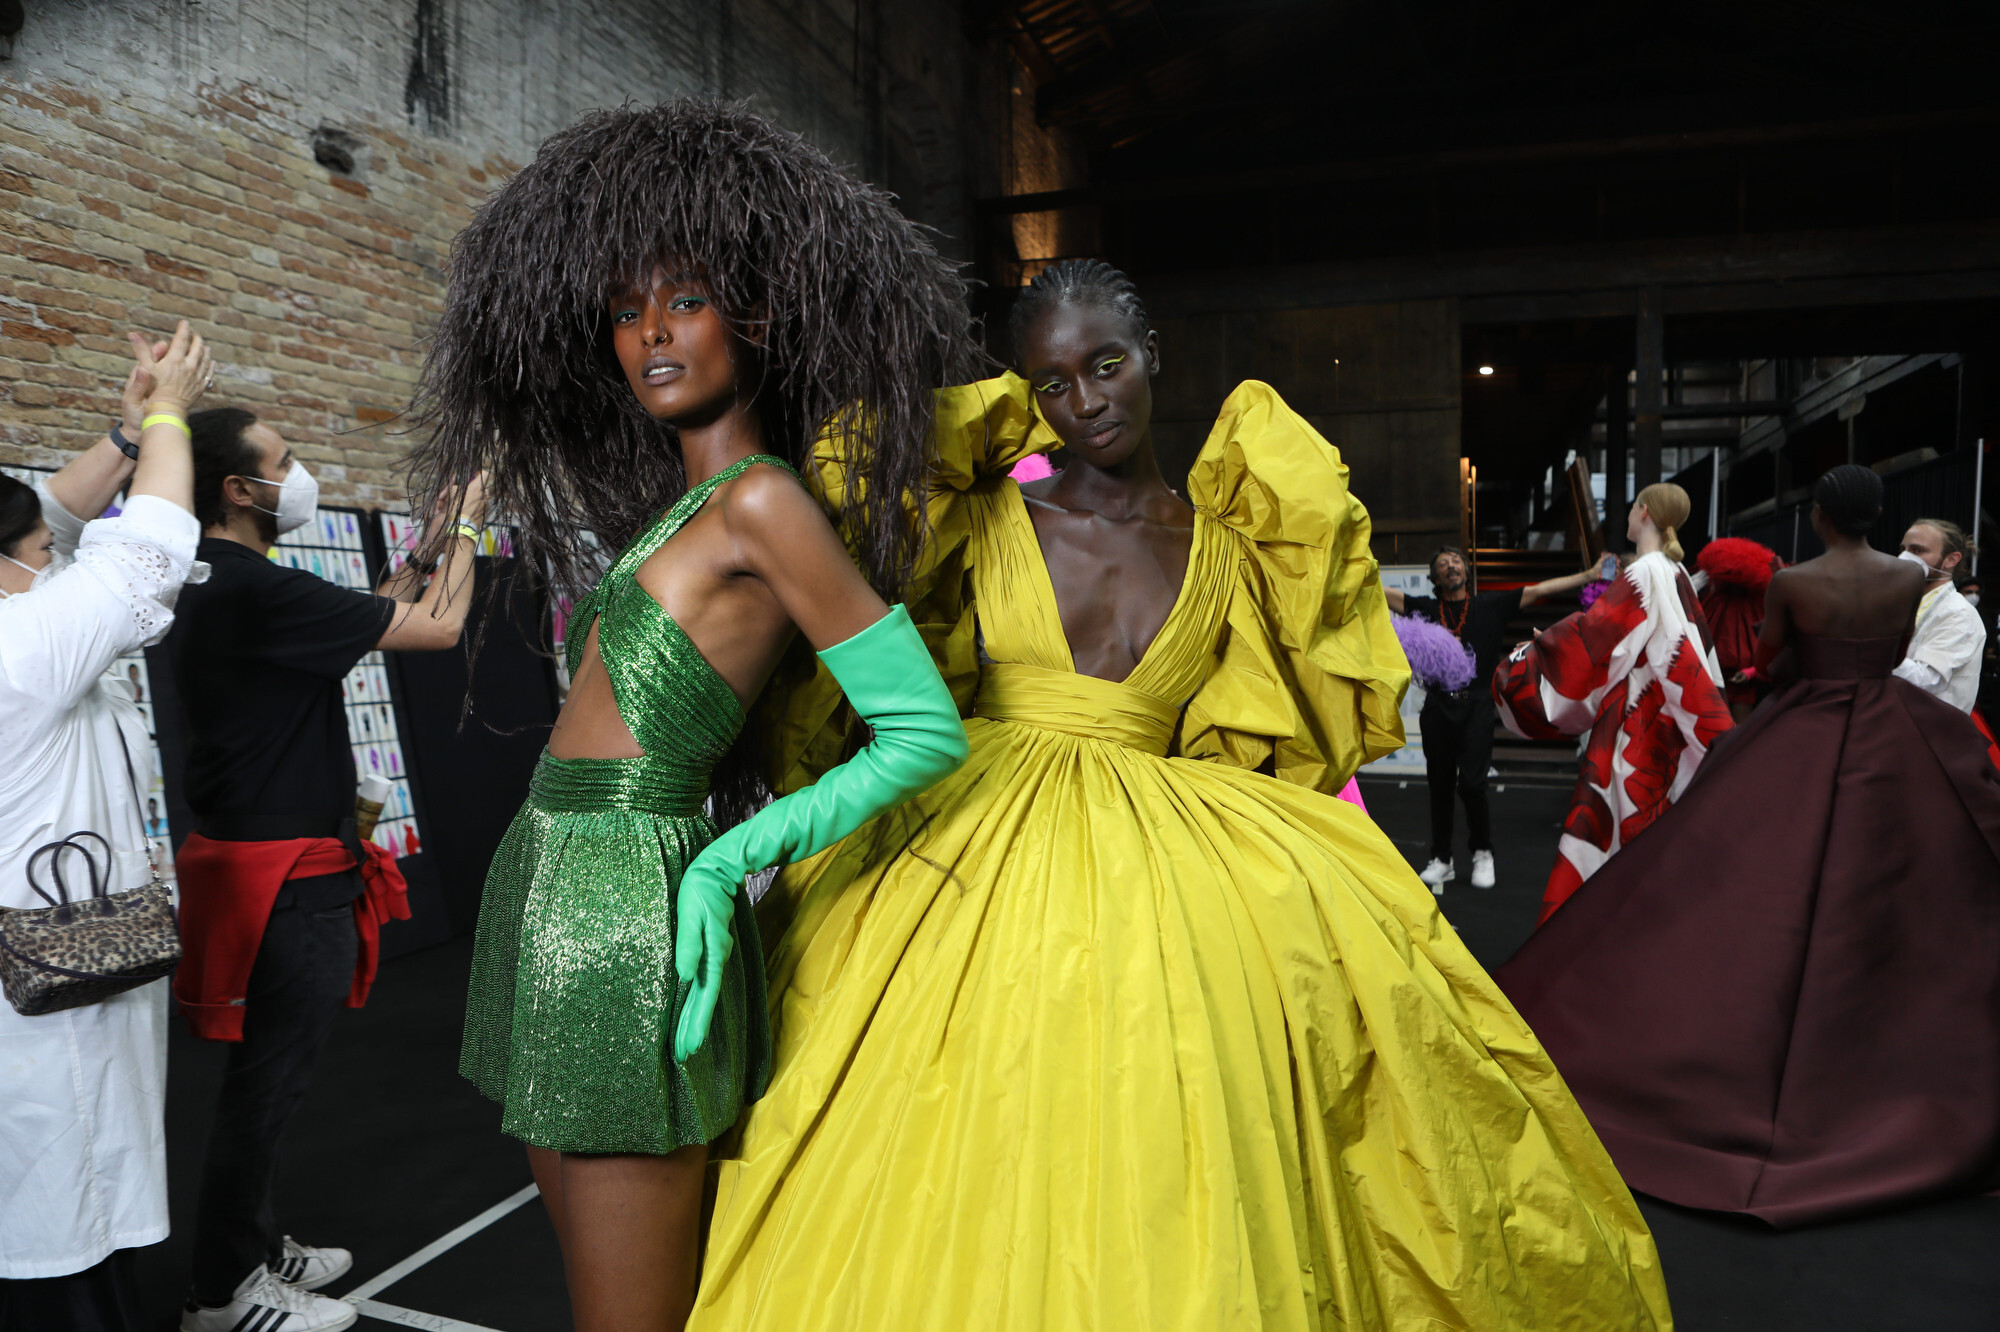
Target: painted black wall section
(469,781)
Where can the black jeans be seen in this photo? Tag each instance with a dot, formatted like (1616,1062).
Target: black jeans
(104,1298)
(304,969)
(1458,748)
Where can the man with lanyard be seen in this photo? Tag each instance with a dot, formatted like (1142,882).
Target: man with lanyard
(1458,726)
(280,901)
(1944,656)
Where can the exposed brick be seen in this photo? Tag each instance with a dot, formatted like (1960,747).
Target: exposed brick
(161,263)
(137,189)
(54,337)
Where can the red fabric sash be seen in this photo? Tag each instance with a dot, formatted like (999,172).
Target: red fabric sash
(226,892)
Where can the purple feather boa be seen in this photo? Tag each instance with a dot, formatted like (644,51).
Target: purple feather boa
(1437,658)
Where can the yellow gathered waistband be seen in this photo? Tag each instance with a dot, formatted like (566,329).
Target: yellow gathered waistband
(1080,705)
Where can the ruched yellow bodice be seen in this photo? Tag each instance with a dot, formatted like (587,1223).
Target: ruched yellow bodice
(1078,705)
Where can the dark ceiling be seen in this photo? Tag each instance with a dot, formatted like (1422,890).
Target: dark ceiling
(1155,86)
(1358,148)
(1264,132)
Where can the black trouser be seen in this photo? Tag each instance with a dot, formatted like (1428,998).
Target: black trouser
(304,969)
(1458,748)
(104,1298)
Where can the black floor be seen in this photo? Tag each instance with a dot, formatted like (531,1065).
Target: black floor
(393,1150)
(1935,1268)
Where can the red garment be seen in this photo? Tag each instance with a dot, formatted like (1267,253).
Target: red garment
(1739,573)
(226,892)
(1638,673)
(1986,733)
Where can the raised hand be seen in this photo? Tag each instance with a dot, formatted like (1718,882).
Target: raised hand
(180,374)
(139,384)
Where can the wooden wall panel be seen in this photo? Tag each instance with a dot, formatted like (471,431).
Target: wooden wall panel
(1379,381)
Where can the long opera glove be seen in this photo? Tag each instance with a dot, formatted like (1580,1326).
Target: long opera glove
(889,678)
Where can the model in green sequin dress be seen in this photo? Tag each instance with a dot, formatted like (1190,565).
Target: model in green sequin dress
(574,999)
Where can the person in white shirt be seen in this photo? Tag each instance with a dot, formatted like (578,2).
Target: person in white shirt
(83,1170)
(1943,658)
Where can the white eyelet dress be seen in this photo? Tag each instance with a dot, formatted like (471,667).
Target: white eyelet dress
(83,1167)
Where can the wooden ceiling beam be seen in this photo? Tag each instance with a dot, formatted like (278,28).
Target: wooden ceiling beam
(1883,266)
(1420,164)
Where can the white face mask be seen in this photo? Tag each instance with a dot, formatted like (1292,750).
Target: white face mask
(1972,598)
(298,498)
(41,575)
(1930,570)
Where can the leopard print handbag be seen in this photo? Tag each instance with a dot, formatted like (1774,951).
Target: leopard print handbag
(76,952)
(68,954)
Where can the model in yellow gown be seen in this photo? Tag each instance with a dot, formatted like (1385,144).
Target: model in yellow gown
(1111,1030)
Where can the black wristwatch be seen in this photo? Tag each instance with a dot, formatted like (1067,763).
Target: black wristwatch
(125,446)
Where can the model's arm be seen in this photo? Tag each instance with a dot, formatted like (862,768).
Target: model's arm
(1775,634)
(782,538)
(1603,571)
(434,620)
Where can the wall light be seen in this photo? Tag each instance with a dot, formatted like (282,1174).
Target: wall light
(1485,369)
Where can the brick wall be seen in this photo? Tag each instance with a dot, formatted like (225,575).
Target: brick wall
(157,163)
(313,286)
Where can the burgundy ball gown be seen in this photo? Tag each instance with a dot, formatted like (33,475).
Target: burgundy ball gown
(1783,998)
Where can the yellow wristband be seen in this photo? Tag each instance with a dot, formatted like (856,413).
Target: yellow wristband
(165,418)
(466,530)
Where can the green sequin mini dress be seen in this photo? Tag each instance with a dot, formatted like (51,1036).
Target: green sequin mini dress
(570,1020)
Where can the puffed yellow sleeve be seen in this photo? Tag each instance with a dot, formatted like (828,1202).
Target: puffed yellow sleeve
(802,721)
(1310,675)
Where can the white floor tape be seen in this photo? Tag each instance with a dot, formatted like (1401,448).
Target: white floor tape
(389,1313)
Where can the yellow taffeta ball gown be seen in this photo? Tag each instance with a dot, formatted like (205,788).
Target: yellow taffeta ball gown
(1110,1031)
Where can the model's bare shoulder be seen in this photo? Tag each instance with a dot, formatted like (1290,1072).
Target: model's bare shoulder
(765,497)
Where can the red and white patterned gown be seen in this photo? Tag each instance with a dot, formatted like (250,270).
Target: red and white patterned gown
(1638,672)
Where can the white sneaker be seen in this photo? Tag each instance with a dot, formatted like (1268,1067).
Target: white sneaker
(1482,869)
(267,1304)
(309,1268)
(1437,874)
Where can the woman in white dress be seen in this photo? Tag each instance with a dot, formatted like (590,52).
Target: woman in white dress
(83,1170)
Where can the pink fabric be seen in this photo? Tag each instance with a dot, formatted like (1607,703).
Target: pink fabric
(1351,793)
(1032,468)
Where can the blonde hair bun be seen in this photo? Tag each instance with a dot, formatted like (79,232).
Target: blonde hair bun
(1668,506)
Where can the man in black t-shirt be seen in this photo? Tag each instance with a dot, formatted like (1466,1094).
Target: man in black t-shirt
(258,653)
(1457,727)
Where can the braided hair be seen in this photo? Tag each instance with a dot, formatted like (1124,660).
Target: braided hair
(1850,496)
(1076,282)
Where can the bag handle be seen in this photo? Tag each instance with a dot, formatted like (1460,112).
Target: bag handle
(138,807)
(54,852)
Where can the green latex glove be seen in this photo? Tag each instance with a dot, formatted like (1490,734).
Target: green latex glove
(888,675)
